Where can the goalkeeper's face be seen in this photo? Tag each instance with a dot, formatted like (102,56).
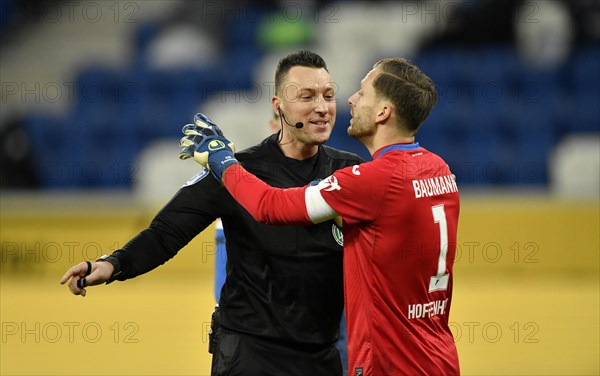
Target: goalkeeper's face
(308,96)
(362,104)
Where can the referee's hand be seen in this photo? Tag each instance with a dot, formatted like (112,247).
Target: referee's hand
(100,272)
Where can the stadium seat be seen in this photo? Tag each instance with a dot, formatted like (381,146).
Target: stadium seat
(493,111)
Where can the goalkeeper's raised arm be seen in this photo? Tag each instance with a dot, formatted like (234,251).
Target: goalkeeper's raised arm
(205,143)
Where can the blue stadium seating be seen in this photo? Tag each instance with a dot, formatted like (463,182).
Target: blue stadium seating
(495,123)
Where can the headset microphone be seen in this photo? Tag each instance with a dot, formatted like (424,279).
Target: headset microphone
(298,125)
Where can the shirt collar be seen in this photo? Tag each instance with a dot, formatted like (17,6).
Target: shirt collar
(380,152)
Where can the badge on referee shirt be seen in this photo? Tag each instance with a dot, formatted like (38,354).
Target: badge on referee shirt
(337,234)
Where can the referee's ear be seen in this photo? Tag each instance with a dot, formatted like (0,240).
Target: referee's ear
(276,104)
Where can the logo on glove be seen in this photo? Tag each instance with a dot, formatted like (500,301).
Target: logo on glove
(216,145)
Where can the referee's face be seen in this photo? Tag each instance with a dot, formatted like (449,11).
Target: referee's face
(308,96)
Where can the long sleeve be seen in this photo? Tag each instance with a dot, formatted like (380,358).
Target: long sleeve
(188,213)
(266,204)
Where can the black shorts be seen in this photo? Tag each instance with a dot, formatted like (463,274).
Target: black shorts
(239,354)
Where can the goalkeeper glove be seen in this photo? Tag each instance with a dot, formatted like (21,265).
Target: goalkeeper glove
(204,141)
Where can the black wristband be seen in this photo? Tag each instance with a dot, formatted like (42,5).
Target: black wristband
(89,268)
(116,266)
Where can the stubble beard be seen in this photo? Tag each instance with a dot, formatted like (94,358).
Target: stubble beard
(359,128)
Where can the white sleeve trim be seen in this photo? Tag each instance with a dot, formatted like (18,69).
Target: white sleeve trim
(317,208)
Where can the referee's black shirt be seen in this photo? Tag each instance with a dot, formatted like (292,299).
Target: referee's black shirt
(283,283)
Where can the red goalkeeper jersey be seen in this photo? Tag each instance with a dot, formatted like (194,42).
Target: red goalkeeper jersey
(400,216)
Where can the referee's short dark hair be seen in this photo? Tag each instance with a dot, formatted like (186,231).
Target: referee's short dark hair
(411,91)
(303,58)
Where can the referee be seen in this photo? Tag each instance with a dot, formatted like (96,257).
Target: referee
(281,304)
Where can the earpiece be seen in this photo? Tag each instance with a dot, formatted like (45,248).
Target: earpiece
(298,125)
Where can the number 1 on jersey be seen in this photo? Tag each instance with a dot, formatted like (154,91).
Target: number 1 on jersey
(440,280)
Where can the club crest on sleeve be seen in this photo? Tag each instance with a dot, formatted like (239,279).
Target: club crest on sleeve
(329,184)
(196,178)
